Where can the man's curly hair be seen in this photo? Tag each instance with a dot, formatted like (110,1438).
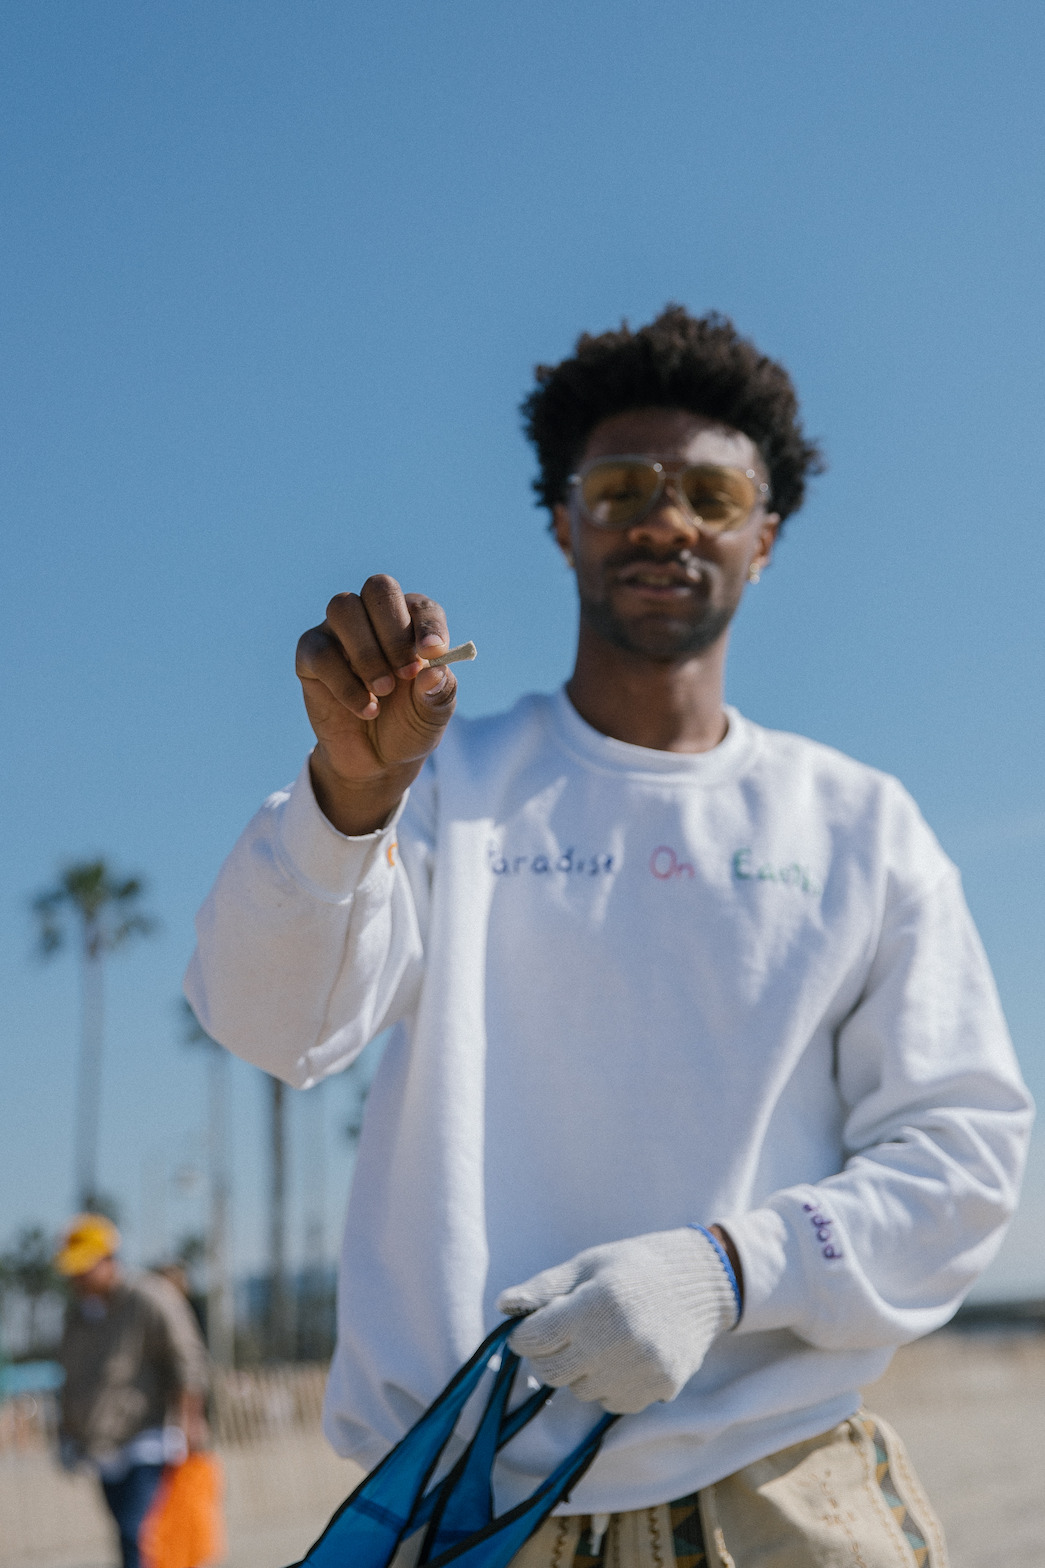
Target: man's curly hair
(699,363)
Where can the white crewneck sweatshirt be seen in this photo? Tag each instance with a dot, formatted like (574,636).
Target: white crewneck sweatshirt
(632,990)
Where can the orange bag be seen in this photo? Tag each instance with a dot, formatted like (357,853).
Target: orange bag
(184,1528)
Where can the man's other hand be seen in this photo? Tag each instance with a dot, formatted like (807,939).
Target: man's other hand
(376,707)
(192,1418)
(626,1323)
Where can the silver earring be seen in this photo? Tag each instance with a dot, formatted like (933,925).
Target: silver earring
(754,575)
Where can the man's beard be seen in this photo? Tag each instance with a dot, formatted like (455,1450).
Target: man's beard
(662,638)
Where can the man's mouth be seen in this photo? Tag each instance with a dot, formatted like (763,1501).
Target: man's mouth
(668,578)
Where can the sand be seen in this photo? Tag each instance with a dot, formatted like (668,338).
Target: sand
(971,1408)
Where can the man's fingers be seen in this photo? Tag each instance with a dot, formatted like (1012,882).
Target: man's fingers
(434,693)
(321,658)
(547,1331)
(389,614)
(384,633)
(563,1368)
(429,624)
(541,1288)
(591,1388)
(348,620)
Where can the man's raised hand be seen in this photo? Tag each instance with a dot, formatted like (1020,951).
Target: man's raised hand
(376,708)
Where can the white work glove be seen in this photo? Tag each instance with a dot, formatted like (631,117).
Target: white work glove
(626,1323)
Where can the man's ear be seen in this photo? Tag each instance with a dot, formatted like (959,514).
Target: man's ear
(766,540)
(561,530)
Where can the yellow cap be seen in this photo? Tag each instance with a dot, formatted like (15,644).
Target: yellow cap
(88,1239)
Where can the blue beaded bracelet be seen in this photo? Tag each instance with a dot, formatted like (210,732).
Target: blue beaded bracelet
(723,1257)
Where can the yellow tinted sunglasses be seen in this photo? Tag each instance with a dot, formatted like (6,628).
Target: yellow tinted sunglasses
(618,492)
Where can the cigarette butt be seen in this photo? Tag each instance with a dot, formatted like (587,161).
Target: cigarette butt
(465,650)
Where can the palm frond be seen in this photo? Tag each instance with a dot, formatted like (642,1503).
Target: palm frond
(123,930)
(89,894)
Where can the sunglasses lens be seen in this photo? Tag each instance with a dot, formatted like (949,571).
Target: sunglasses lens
(721,497)
(617,493)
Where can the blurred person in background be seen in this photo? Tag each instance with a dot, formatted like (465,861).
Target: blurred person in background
(697,1061)
(176,1273)
(135,1376)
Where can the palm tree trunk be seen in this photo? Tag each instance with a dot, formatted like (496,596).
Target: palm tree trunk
(312,1328)
(92,1022)
(220,1314)
(279,1297)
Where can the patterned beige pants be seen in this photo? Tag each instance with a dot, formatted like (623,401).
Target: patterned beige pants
(846,1499)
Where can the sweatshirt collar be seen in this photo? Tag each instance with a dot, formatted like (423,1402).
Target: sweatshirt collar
(617,756)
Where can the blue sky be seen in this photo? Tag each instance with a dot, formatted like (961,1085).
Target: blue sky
(273,280)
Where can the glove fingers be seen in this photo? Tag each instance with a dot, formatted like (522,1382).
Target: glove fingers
(563,1366)
(545,1331)
(591,1389)
(593,1375)
(619,1402)
(539,1289)
(584,1388)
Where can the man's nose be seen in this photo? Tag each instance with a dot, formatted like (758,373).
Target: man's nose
(670,518)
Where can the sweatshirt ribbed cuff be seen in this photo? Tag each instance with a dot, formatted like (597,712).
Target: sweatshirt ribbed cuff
(723,1258)
(328,863)
(772,1277)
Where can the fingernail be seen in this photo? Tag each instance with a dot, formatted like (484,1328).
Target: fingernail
(435,687)
(383,686)
(371,710)
(408,671)
(431,641)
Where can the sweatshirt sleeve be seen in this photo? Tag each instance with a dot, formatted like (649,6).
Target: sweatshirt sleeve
(936,1126)
(186,1354)
(310,942)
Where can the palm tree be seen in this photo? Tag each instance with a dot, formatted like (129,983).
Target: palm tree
(27,1269)
(279,1304)
(90,905)
(279,1326)
(220,1316)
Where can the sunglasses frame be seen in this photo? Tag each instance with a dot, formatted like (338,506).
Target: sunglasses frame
(665,472)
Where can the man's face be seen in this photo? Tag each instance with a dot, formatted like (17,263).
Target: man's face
(99,1281)
(664,588)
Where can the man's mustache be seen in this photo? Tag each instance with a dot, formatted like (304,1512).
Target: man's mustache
(642,555)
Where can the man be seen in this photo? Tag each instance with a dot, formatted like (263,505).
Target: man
(696,1056)
(135,1376)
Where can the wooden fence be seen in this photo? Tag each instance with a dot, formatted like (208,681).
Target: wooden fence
(249,1406)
